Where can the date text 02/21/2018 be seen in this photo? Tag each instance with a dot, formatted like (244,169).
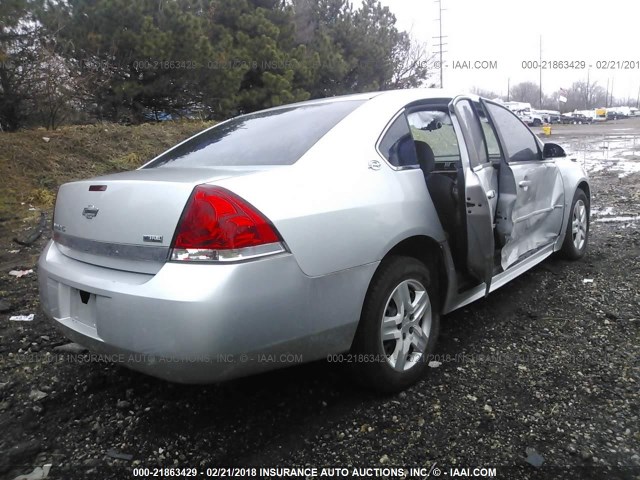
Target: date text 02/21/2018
(580,64)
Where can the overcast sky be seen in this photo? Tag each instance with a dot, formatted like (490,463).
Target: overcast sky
(508,32)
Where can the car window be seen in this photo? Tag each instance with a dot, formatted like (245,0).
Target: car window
(397,144)
(493,148)
(271,137)
(434,127)
(518,141)
(476,144)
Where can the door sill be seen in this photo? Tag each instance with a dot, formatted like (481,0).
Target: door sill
(502,278)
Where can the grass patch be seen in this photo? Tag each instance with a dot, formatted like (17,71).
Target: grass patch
(42,197)
(32,167)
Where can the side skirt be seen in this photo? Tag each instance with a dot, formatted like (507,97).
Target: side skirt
(500,279)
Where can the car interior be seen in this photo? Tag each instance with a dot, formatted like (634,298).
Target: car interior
(438,155)
(424,137)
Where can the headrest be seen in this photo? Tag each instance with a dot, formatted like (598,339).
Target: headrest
(406,151)
(426,159)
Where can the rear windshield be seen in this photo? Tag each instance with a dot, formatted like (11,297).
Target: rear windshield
(272,137)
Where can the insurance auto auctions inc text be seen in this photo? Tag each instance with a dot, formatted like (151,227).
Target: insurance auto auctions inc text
(375,472)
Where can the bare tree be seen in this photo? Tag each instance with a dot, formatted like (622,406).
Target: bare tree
(412,64)
(54,88)
(18,40)
(490,94)
(584,95)
(305,20)
(527,92)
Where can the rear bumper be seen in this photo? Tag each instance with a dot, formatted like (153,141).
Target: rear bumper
(195,323)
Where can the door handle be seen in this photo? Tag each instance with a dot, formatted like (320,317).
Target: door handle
(524,184)
(491,194)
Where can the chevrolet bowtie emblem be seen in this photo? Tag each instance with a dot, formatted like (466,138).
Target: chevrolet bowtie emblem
(90,211)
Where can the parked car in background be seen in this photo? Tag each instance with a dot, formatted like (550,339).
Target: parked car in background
(533,119)
(548,116)
(555,118)
(576,118)
(344,227)
(523,110)
(615,115)
(529,117)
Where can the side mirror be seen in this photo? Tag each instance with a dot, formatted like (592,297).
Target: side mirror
(553,150)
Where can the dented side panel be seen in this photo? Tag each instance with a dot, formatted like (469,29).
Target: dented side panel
(538,211)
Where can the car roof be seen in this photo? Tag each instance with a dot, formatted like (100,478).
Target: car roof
(402,96)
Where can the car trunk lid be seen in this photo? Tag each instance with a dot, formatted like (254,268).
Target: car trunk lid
(127,221)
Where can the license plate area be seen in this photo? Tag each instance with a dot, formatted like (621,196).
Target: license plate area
(82,307)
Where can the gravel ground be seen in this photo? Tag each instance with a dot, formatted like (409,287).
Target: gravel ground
(544,370)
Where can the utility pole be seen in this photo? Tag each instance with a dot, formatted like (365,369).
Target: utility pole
(587,94)
(440,43)
(638,98)
(540,68)
(509,89)
(606,96)
(611,93)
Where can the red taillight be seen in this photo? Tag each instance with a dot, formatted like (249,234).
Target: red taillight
(219,225)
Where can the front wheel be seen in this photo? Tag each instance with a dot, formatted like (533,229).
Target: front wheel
(398,327)
(577,234)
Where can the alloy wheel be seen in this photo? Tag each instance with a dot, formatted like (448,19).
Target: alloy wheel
(406,325)
(579,225)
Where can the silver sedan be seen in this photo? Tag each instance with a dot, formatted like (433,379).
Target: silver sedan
(340,228)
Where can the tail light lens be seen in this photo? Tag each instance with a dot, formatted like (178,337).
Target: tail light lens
(219,226)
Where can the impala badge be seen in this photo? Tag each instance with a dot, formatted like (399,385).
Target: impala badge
(374,165)
(152,238)
(90,212)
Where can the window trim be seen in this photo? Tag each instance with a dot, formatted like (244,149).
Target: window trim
(528,162)
(381,137)
(482,166)
(494,131)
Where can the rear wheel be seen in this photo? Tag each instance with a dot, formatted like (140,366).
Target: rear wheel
(398,327)
(577,234)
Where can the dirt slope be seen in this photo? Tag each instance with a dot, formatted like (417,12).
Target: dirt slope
(33,163)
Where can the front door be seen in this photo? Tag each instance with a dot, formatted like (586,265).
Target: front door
(533,217)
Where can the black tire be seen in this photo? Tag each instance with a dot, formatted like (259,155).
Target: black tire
(537,122)
(569,248)
(371,367)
